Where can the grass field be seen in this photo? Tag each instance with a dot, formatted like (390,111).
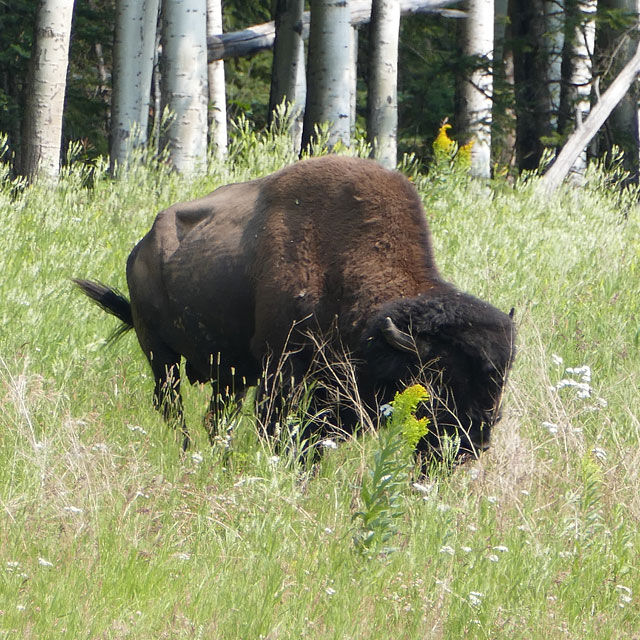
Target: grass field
(109,532)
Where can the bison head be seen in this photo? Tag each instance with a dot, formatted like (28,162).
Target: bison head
(460,347)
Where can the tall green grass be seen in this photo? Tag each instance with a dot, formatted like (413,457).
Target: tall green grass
(109,532)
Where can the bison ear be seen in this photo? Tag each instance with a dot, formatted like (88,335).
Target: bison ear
(396,338)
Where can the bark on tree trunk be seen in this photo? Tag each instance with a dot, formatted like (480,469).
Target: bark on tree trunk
(329,62)
(133,55)
(47,84)
(532,97)
(553,36)
(615,46)
(217,89)
(382,123)
(288,78)
(185,82)
(576,68)
(503,117)
(353,80)
(478,90)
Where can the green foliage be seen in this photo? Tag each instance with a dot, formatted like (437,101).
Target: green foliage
(428,57)
(382,487)
(381,492)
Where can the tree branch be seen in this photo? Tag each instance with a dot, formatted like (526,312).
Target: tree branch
(262,36)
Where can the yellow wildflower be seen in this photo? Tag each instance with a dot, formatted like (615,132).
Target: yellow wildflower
(464,154)
(443,143)
(404,407)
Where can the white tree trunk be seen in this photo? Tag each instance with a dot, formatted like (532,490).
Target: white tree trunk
(581,77)
(217,89)
(133,56)
(185,82)
(288,78)
(353,79)
(383,81)
(328,71)
(47,85)
(478,91)
(554,34)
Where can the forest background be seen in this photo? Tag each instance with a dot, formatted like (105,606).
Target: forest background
(550,60)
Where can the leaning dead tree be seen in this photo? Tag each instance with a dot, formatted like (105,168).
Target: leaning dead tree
(581,137)
(262,36)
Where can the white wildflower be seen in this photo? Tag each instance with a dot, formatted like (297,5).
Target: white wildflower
(328,530)
(44,563)
(197,457)
(423,488)
(492,499)
(494,558)
(583,389)
(141,494)
(551,427)
(443,508)
(386,410)
(76,510)
(183,556)
(625,594)
(447,549)
(12,565)
(557,360)
(137,429)
(329,591)
(273,460)
(501,548)
(100,447)
(328,443)
(20,607)
(475,598)
(584,372)
(600,454)
(466,549)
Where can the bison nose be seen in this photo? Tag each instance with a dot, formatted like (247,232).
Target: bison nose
(478,442)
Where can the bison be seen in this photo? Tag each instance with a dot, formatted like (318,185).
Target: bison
(335,247)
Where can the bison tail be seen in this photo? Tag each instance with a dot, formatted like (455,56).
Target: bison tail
(111,301)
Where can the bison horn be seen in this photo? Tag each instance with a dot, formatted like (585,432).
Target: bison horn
(512,312)
(396,338)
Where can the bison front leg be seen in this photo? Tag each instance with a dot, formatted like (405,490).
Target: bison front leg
(166,395)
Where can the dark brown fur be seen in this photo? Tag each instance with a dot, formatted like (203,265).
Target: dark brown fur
(331,244)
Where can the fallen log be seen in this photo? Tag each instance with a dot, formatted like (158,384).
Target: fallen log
(247,42)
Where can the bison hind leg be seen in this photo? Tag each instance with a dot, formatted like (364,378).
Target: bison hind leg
(165,365)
